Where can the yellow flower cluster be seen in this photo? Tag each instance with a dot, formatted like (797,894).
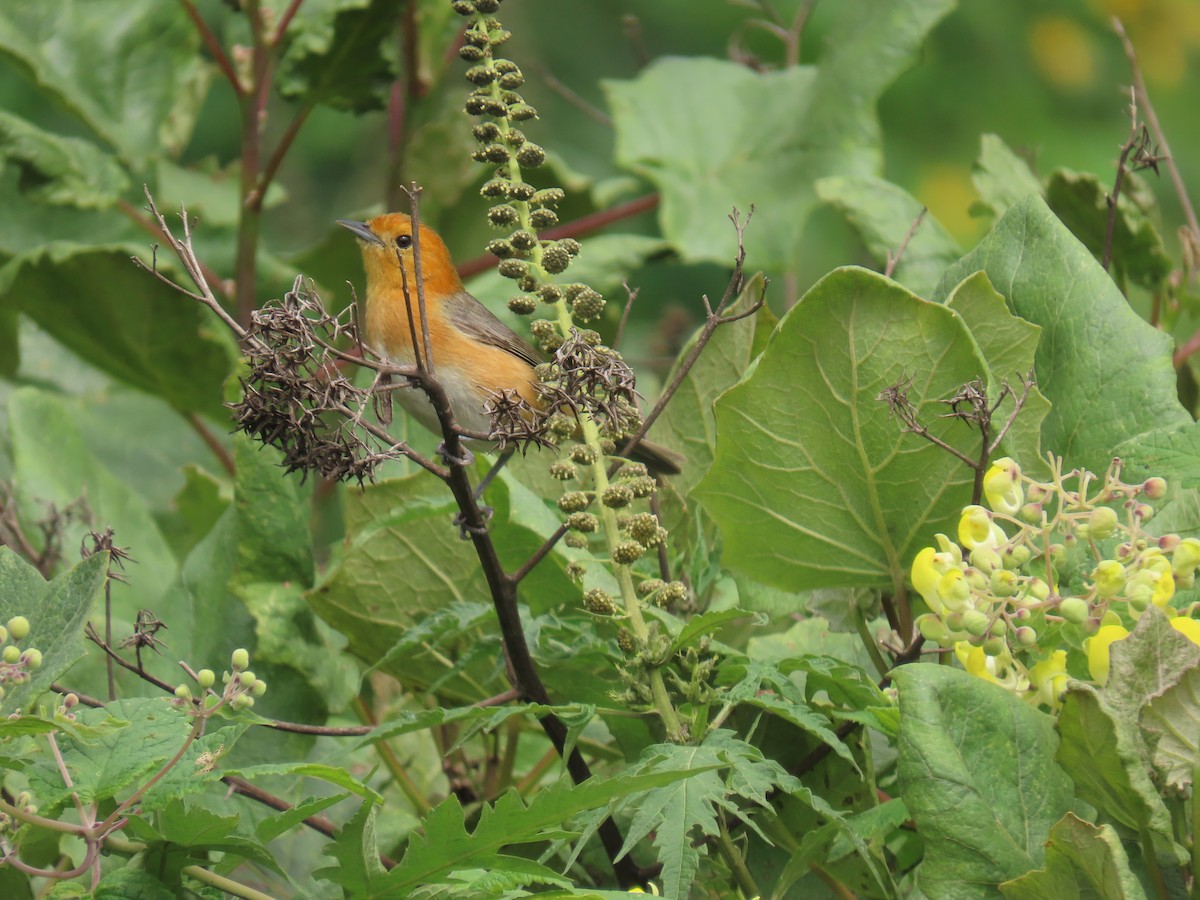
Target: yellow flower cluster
(1047,568)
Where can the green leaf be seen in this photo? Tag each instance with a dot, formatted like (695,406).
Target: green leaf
(56,612)
(814,483)
(977,771)
(211,194)
(202,831)
(128,69)
(273,537)
(823,122)
(273,826)
(10,346)
(1002,178)
(883,213)
(340,53)
(1081,201)
(123,321)
(1107,374)
(132,884)
(1146,664)
(1082,860)
(1103,754)
(356,853)
(446,845)
(59,170)
(1009,345)
(38,420)
(1172,453)
(1175,718)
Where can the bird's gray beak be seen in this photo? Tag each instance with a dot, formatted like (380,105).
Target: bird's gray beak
(360,230)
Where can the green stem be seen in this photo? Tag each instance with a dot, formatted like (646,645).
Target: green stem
(392,763)
(860,625)
(1151,860)
(737,865)
(228,885)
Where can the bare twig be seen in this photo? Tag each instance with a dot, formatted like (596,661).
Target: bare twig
(224,457)
(893,258)
(631,295)
(596,115)
(1160,137)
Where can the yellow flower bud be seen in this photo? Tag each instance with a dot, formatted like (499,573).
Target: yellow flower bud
(1188,627)
(1002,487)
(1109,578)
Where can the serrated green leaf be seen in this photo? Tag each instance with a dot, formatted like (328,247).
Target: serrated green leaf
(1081,201)
(273,540)
(1002,178)
(883,213)
(56,612)
(273,826)
(446,845)
(123,321)
(340,53)
(63,171)
(128,69)
(358,870)
(132,884)
(1082,860)
(202,831)
(823,123)
(1171,453)
(1106,372)
(977,771)
(815,484)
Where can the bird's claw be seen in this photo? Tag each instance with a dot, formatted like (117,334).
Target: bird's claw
(467,458)
(465,531)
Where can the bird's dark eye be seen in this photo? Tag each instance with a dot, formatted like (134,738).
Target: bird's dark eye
(404,241)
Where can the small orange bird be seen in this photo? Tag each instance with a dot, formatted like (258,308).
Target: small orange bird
(475,355)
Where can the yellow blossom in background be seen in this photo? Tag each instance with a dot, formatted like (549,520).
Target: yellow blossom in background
(1062,52)
(1188,627)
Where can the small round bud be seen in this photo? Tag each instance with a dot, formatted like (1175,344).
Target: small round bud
(994,646)
(512,80)
(498,108)
(1144,511)
(643,487)
(260,688)
(206,678)
(239,660)
(1102,521)
(487,6)
(548,197)
(571,245)
(523,240)
(583,454)
(627,553)
(550,293)
(616,496)
(495,187)
(530,156)
(3,634)
(70,701)
(588,306)
(562,424)
(522,305)
(975,622)
(501,248)
(575,570)
(512,268)
(1074,610)
(623,520)
(522,190)
(1026,636)
(649,586)
(502,215)
(583,521)
(496,153)
(575,540)
(11,654)
(1155,488)
(485,133)
(474,36)
(573,501)
(515,137)
(470,53)
(543,218)
(527,283)
(555,259)
(32,658)
(463,7)
(563,470)
(674,592)
(520,112)
(18,628)
(247,679)
(643,527)
(633,470)
(599,602)
(183,693)
(480,75)
(625,640)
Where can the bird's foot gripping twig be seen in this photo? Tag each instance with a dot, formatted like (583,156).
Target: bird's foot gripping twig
(466,459)
(465,531)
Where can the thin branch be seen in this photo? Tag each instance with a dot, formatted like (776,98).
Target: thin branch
(214,47)
(631,296)
(1160,137)
(893,259)
(212,277)
(1118,182)
(224,457)
(596,115)
(285,20)
(285,143)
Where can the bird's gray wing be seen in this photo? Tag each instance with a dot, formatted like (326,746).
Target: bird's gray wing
(477,321)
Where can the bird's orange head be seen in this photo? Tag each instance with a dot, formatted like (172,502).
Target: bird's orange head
(387,245)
